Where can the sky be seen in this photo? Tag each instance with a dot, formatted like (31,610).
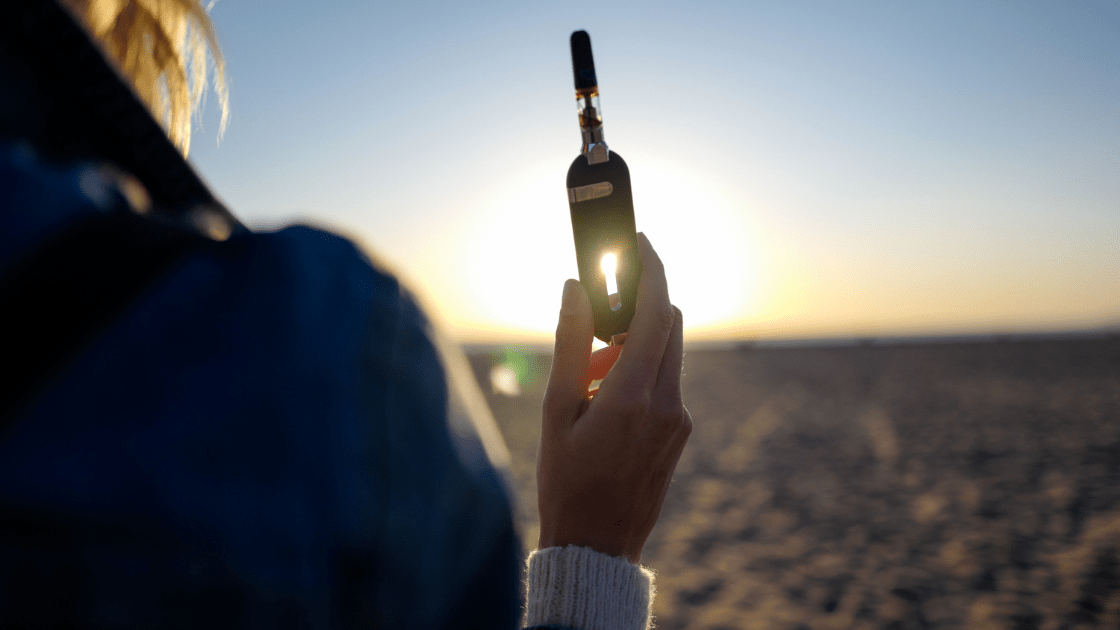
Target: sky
(804,169)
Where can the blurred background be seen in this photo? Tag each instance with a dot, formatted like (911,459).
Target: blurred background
(805,170)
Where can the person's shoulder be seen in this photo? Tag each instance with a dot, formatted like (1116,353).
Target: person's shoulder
(313,274)
(316,258)
(319,243)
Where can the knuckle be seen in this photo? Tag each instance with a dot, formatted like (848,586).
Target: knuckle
(676,413)
(676,416)
(686,421)
(672,414)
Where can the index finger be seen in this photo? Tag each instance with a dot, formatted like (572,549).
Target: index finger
(637,368)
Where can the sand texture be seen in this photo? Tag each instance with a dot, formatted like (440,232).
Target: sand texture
(972,485)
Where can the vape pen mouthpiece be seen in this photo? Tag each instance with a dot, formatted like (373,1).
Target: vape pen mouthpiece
(583,64)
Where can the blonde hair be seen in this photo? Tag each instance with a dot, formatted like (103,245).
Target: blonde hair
(164,48)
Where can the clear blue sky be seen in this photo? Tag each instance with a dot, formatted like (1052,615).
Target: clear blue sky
(803,168)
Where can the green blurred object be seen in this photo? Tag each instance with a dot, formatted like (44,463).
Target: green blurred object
(519,363)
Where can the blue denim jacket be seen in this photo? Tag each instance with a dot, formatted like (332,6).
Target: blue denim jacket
(270,435)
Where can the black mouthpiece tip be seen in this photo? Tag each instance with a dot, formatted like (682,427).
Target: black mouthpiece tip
(583,64)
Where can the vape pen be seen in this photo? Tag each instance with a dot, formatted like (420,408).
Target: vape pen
(602,209)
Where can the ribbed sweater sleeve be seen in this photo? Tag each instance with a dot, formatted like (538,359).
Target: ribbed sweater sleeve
(578,587)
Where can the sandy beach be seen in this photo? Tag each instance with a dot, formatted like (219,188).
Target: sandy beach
(934,485)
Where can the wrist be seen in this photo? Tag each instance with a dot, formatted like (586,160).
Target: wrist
(616,546)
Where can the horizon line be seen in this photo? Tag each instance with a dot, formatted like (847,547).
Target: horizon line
(811,341)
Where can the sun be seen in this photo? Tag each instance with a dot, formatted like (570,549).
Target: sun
(516,252)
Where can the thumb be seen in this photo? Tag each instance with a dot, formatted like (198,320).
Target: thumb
(567,384)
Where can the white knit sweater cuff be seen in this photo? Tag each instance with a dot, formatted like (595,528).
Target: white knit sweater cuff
(582,588)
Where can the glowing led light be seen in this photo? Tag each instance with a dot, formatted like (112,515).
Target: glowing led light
(609,265)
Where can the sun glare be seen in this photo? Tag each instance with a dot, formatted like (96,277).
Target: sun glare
(521,237)
(702,232)
(516,251)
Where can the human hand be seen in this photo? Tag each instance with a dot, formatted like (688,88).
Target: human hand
(604,464)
